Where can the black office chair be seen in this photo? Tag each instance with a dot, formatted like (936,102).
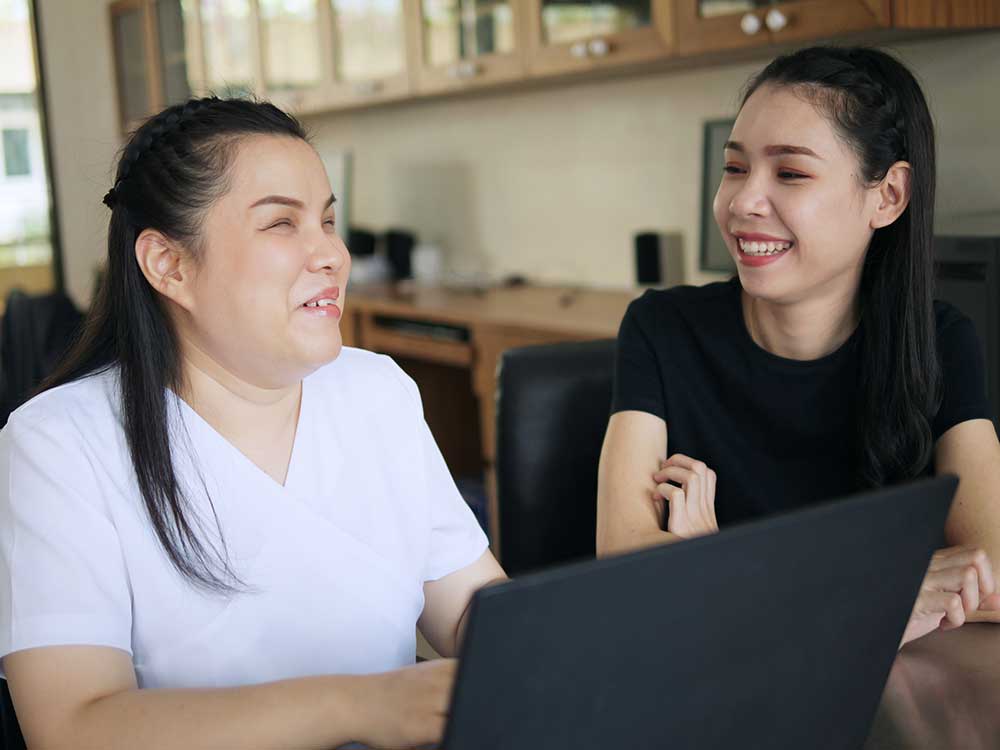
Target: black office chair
(12,738)
(35,333)
(553,406)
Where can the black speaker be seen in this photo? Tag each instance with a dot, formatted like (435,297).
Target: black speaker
(360,242)
(399,249)
(659,260)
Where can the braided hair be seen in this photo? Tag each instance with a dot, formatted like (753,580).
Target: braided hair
(172,170)
(876,105)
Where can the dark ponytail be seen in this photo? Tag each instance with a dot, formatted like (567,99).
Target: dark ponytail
(876,106)
(174,167)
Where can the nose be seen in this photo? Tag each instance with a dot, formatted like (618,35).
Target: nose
(329,254)
(750,198)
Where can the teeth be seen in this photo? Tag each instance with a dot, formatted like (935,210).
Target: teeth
(321,303)
(763,248)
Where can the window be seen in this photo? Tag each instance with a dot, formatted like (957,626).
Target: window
(15,153)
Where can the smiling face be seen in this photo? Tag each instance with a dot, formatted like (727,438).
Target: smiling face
(791,205)
(268,286)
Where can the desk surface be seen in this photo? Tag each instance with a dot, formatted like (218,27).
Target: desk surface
(577,312)
(943,693)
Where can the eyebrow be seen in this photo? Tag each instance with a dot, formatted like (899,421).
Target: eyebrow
(781,149)
(283,200)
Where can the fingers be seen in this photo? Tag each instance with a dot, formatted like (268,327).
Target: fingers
(942,609)
(688,486)
(959,556)
(962,580)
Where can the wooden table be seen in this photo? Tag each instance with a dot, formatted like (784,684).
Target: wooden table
(474,327)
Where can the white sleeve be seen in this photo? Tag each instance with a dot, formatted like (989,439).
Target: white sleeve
(456,539)
(62,575)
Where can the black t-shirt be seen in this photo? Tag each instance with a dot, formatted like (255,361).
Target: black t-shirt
(777,432)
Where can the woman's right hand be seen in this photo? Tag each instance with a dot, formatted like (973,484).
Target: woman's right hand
(688,487)
(407,707)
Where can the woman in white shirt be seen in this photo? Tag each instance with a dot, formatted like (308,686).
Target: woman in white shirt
(219,528)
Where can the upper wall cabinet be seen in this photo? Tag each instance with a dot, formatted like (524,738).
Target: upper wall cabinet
(319,55)
(571,35)
(716,25)
(461,44)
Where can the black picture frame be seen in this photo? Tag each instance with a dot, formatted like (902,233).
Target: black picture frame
(713,254)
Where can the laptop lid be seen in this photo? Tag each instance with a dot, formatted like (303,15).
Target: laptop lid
(776,633)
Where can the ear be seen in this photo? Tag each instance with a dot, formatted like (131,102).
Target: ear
(166,267)
(893,195)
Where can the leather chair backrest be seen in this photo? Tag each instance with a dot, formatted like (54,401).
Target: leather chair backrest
(553,406)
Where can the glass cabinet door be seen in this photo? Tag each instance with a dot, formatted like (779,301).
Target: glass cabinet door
(229,47)
(291,46)
(573,34)
(174,23)
(369,48)
(467,42)
(136,97)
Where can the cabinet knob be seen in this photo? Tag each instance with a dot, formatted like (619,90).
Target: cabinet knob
(598,47)
(750,24)
(578,50)
(775,20)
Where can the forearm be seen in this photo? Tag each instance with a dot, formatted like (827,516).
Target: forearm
(618,541)
(312,712)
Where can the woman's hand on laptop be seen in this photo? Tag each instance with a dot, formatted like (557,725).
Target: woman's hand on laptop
(688,487)
(959,581)
(407,707)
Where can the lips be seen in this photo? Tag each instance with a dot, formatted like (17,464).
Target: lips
(330,293)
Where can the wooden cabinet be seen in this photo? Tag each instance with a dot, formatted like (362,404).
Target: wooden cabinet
(313,56)
(465,44)
(717,25)
(564,37)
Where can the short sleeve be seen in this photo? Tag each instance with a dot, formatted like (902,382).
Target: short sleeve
(963,373)
(638,384)
(62,575)
(456,539)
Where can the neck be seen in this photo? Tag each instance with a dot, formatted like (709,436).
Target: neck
(804,330)
(233,405)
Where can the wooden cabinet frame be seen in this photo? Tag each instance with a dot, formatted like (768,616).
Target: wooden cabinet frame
(480,71)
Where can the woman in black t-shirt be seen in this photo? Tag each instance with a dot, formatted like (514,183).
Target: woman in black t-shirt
(825,367)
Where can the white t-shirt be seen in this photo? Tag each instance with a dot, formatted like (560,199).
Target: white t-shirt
(334,561)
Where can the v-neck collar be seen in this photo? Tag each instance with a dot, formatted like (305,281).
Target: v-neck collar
(190,415)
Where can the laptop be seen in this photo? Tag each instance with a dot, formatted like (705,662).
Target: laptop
(777,633)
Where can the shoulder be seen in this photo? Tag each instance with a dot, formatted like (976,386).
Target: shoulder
(87,406)
(685,308)
(955,332)
(365,377)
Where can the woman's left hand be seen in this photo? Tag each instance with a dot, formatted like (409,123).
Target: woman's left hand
(688,487)
(959,581)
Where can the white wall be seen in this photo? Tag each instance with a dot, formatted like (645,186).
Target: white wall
(551,183)
(83,130)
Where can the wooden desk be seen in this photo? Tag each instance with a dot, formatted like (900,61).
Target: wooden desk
(477,326)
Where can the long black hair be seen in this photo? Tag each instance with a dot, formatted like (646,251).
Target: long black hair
(877,107)
(173,168)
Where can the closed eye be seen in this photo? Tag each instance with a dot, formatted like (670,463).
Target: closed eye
(281,223)
(784,175)
(733,169)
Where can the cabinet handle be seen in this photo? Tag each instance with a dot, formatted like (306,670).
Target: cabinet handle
(599,47)
(468,69)
(367,88)
(578,50)
(775,20)
(750,24)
